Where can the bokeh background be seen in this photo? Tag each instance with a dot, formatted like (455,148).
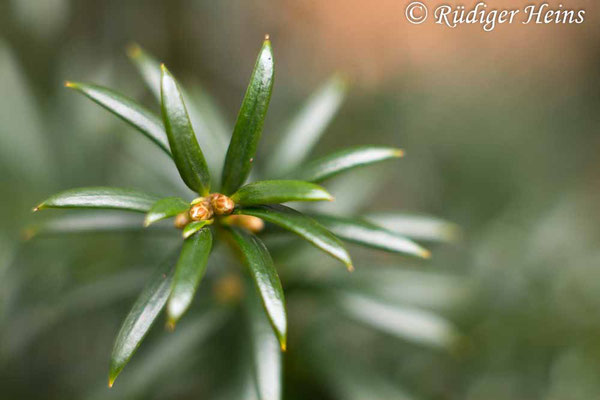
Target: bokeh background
(501,137)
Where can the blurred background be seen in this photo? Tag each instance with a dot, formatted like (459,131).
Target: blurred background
(501,137)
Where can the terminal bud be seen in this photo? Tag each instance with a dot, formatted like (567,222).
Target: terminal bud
(201,211)
(253,224)
(221,204)
(181,220)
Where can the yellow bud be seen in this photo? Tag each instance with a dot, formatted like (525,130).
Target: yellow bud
(181,220)
(253,224)
(228,289)
(221,204)
(201,211)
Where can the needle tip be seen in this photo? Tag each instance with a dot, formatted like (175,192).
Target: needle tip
(170,325)
(27,234)
(133,50)
(425,253)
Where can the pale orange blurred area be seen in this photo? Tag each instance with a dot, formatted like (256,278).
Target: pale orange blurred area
(373,42)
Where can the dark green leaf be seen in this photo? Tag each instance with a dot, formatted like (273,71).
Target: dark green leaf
(188,273)
(182,140)
(140,319)
(266,355)
(364,233)
(303,226)
(260,264)
(100,197)
(271,192)
(248,128)
(307,127)
(128,110)
(193,227)
(169,354)
(165,208)
(344,160)
(415,226)
(211,130)
(211,133)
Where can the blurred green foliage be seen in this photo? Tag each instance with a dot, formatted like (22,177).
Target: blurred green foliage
(513,162)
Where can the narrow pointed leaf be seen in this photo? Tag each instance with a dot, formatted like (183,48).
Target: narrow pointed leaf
(364,233)
(262,270)
(248,128)
(355,382)
(87,223)
(166,356)
(271,192)
(192,228)
(26,148)
(139,320)
(165,208)
(408,323)
(212,135)
(182,140)
(415,226)
(100,197)
(212,132)
(304,226)
(188,273)
(147,66)
(128,110)
(212,116)
(430,290)
(266,354)
(344,160)
(26,327)
(349,200)
(307,127)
